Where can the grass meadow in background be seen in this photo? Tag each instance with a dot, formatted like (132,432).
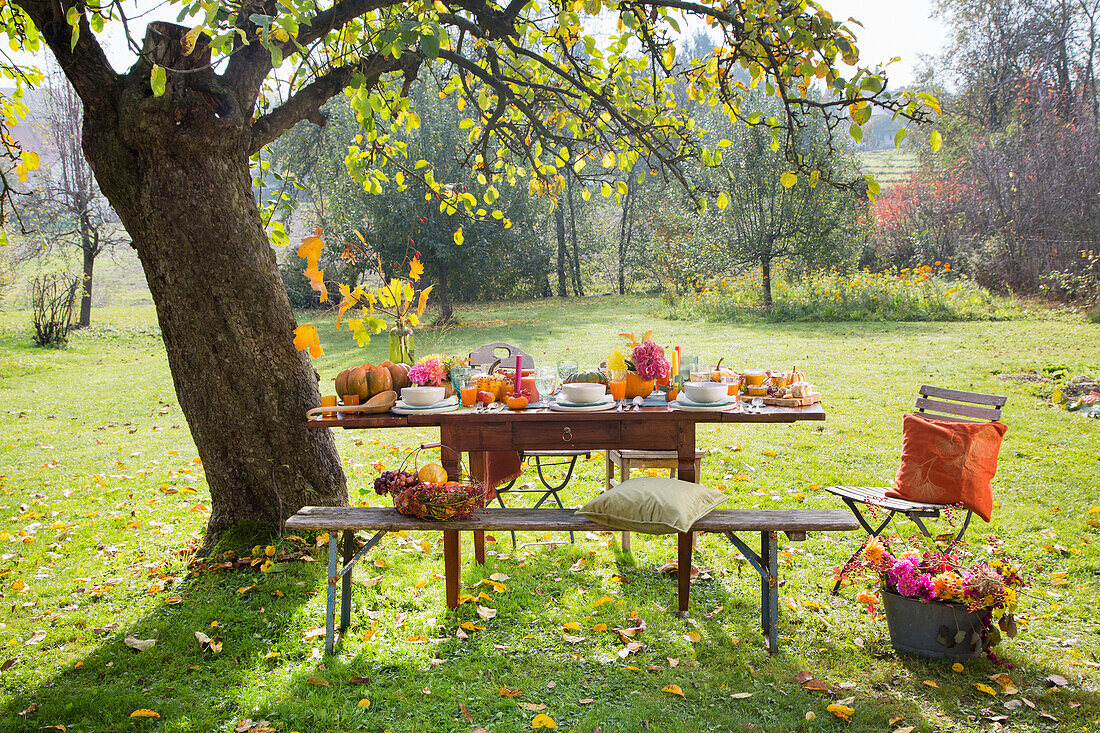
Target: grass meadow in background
(101,497)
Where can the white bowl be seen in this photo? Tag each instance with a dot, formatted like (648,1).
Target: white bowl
(422,396)
(581,392)
(706,392)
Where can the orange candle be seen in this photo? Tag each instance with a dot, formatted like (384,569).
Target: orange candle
(350,400)
(328,400)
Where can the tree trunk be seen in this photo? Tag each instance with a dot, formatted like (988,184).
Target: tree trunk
(559,229)
(447,312)
(626,230)
(766,270)
(89,245)
(578,287)
(186,199)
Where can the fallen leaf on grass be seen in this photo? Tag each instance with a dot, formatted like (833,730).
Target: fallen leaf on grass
(465,713)
(145,713)
(486,613)
(35,638)
(1057,680)
(957,666)
(318,682)
(930,683)
(586,701)
(139,645)
(359,680)
(365,703)
(742,695)
(602,600)
(571,626)
(674,689)
(542,720)
(1008,687)
(506,692)
(841,711)
(574,639)
(600,627)
(693,636)
(906,729)
(534,707)
(981,687)
(313,633)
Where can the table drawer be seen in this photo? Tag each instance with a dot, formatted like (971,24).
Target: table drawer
(580,434)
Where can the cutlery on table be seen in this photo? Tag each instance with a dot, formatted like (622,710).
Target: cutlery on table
(638,404)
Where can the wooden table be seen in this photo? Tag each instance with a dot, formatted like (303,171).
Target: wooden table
(651,428)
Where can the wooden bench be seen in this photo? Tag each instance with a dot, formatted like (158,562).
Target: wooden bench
(795,523)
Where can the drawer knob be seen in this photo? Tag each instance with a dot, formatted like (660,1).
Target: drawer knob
(567,435)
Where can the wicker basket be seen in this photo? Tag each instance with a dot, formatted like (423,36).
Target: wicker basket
(441,503)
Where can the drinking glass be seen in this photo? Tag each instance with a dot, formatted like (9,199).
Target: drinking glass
(617,383)
(565,368)
(545,380)
(465,386)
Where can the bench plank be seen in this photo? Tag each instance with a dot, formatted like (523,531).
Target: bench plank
(536,520)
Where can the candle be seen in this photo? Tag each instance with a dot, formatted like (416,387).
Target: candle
(519,375)
(676,364)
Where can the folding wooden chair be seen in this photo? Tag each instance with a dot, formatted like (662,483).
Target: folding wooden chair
(544,460)
(935,403)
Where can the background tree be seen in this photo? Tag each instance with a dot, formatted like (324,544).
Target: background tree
(170,142)
(66,205)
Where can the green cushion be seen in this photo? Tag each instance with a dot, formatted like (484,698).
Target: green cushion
(652,505)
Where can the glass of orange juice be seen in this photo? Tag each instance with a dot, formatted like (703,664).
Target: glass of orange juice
(617,383)
(465,385)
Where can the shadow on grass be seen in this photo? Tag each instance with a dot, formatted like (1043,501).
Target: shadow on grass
(184,682)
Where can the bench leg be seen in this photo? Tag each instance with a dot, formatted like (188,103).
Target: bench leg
(452,565)
(330,597)
(684,542)
(345,587)
(769,589)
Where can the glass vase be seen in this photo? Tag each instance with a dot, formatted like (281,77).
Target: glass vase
(401,345)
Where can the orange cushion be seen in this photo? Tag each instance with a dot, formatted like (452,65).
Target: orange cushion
(948,463)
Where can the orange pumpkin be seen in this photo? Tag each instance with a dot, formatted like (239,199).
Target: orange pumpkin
(357,383)
(399,375)
(379,380)
(636,386)
(515,402)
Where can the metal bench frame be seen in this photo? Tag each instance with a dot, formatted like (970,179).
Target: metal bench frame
(795,523)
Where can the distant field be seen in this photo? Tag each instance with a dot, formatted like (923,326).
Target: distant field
(889,167)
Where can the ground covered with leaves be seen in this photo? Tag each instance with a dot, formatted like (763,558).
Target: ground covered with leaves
(110,623)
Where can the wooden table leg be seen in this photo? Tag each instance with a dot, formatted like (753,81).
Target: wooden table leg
(479,546)
(683,569)
(685,471)
(452,565)
(330,595)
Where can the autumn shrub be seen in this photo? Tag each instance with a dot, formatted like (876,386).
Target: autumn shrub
(923,293)
(52,299)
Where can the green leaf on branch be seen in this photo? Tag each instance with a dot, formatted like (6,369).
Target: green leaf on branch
(900,136)
(157,79)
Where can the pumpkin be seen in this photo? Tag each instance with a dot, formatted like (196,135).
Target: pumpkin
(636,386)
(432,473)
(399,374)
(515,402)
(379,380)
(448,388)
(592,377)
(342,383)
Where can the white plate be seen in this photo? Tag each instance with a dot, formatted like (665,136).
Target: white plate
(425,410)
(685,401)
(599,407)
(602,401)
(452,400)
(695,407)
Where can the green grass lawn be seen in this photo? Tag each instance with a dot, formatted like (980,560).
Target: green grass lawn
(101,497)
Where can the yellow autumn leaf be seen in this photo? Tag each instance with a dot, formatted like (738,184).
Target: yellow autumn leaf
(937,140)
(571,626)
(957,666)
(693,636)
(603,600)
(600,627)
(189,39)
(788,179)
(673,689)
(416,269)
(364,703)
(423,300)
(18,585)
(145,713)
(981,687)
(542,720)
(305,337)
(929,683)
(369,634)
(459,238)
(841,711)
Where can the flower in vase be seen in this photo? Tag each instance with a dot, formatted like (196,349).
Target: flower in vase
(428,372)
(649,360)
(616,362)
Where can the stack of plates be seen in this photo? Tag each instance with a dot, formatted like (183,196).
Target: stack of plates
(563,405)
(448,405)
(683,403)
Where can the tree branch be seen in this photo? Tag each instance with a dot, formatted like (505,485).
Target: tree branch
(85,65)
(306,103)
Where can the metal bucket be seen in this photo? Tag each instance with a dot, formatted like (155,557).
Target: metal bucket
(935,630)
